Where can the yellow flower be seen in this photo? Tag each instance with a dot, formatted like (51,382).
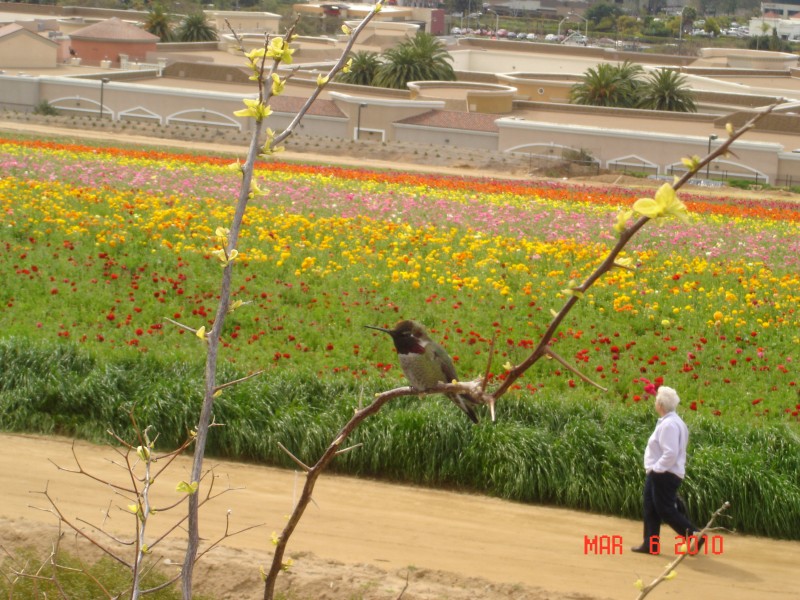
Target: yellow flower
(671,575)
(624,262)
(186,488)
(222,232)
(665,203)
(257,191)
(508,366)
(279,50)
(254,55)
(201,333)
(224,257)
(236,304)
(638,584)
(275,538)
(347,66)
(255,109)
(278,85)
(346,30)
(143,452)
(623,216)
(322,80)
(691,162)
(377,8)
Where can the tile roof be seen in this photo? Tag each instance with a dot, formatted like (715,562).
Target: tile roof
(13,28)
(9,29)
(451,119)
(114,30)
(292,104)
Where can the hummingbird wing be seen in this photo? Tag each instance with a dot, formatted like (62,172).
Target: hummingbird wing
(462,401)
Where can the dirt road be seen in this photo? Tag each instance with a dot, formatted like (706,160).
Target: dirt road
(363,538)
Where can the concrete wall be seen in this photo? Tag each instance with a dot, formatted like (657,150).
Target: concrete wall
(380,119)
(662,151)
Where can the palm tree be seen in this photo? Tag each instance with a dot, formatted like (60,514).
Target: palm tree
(363,68)
(664,89)
(195,28)
(608,85)
(157,23)
(421,58)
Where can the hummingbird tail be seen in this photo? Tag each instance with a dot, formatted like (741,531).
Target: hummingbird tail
(466,404)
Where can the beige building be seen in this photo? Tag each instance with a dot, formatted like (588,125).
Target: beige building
(21,48)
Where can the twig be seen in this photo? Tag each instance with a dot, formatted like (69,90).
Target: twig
(550,352)
(677,560)
(299,462)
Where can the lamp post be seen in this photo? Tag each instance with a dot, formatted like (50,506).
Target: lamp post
(680,31)
(496,18)
(585,25)
(571,15)
(358,120)
(103,82)
(711,138)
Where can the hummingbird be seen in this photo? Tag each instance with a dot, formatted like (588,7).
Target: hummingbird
(425,363)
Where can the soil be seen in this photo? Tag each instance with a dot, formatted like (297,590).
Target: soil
(364,539)
(370,540)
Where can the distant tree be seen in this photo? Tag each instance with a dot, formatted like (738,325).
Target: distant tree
(195,28)
(363,69)
(711,26)
(158,23)
(664,89)
(421,58)
(601,13)
(628,26)
(608,85)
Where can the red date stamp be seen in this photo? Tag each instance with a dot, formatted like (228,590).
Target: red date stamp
(692,545)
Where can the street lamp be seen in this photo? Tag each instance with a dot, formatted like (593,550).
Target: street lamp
(358,120)
(680,31)
(711,138)
(585,25)
(570,15)
(496,18)
(103,82)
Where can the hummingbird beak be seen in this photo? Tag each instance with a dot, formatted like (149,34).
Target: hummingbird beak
(389,331)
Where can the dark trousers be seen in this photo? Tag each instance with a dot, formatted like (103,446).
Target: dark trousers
(660,499)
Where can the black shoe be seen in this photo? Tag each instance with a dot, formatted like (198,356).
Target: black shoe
(643,549)
(701,540)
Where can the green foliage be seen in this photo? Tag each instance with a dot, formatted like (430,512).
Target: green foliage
(664,89)
(195,28)
(575,451)
(363,69)
(421,58)
(608,85)
(75,578)
(45,108)
(624,86)
(603,11)
(158,23)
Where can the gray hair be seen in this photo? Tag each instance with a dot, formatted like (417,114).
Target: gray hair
(667,398)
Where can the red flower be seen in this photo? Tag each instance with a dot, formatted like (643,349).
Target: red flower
(693,406)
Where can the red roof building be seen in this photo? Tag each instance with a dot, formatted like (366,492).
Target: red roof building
(109,39)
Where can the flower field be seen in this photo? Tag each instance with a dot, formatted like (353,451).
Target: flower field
(100,245)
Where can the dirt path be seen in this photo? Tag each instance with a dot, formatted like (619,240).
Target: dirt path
(361,539)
